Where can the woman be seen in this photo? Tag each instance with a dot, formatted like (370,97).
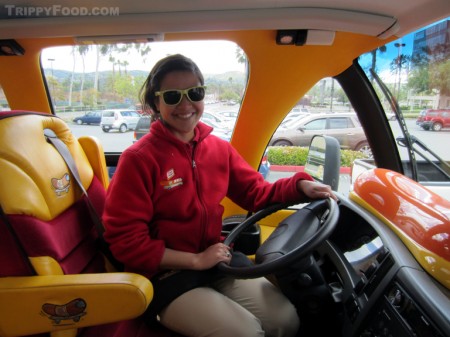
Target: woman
(163,210)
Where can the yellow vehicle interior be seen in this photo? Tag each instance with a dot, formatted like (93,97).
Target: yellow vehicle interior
(278,76)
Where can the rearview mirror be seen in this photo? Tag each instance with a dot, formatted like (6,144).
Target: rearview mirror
(324,160)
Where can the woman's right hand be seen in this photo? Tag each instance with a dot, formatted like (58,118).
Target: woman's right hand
(175,259)
(212,256)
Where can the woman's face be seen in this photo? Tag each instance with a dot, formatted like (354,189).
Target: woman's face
(182,118)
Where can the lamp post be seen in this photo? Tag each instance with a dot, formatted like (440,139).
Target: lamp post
(399,66)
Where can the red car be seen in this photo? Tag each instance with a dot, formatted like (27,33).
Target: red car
(434,119)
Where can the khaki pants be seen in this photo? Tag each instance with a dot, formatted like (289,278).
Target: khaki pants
(232,308)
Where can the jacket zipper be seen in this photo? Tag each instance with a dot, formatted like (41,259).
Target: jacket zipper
(204,215)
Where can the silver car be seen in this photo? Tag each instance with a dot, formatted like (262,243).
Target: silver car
(119,119)
(345,127)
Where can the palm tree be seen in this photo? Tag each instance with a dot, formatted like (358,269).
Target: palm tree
(381,49)
(112,59)
(82,50)
(101,50)
(125,64)
(241,57)
(72,76)
(397,64)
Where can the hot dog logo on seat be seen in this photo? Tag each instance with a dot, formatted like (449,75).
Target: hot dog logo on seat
(72,310)
(61,185)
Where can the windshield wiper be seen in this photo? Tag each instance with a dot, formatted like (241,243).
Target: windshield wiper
(398,113)
(444,168)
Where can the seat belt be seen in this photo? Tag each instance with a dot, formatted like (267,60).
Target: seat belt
(63,150)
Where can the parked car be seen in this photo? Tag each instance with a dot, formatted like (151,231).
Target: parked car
(229,114)
(294,115)
(299,109)
(220,121)
(434,119)
(118,119)
(345,127)
(142,128)
(90,117)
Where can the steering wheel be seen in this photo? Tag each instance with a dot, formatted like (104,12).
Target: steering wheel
(295,237)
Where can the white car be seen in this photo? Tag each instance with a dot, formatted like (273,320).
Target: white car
(222,122)
(119,119)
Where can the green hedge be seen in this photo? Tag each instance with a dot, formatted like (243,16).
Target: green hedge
(295,155)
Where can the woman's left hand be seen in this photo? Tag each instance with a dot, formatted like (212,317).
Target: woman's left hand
(315,190)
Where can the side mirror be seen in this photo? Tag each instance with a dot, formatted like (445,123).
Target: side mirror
(324,160)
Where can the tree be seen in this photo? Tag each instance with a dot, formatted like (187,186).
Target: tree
(430,69)
(381,50)
(439,78)
(242,58)
(419,80)
(73,52)
(397,64)
(82,50)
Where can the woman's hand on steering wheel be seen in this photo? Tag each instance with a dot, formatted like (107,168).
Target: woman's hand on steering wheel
(212,256)
(315,190)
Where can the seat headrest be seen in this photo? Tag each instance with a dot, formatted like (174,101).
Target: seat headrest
(35,180)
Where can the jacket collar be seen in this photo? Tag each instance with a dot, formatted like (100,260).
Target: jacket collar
(201,131)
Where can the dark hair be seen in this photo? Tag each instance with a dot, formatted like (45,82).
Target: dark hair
(164,66)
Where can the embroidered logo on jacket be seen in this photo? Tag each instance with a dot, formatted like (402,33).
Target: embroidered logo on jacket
(170,182)
(61,185)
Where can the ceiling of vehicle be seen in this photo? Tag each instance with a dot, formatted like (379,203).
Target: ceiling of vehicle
(381,18)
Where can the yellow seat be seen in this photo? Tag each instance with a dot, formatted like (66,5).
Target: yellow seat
(53,277)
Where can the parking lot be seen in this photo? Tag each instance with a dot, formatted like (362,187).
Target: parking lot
(116,141)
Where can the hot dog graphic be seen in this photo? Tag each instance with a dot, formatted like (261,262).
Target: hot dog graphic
(72,310)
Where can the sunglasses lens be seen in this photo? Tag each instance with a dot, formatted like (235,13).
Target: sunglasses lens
(172,97)
(196,94)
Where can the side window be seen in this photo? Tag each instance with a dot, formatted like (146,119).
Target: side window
(78,85)
(4,106)
(325,109)
(340,123)
(318,124)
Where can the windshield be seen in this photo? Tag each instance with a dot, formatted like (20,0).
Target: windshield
(411,78)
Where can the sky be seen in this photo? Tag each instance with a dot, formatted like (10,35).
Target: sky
(384,59)
(212,57)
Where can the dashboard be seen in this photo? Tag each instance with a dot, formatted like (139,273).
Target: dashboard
(381,287)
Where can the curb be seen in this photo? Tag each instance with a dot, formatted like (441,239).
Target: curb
(293,168)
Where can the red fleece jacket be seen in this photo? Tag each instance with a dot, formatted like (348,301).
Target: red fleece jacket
(166,193)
